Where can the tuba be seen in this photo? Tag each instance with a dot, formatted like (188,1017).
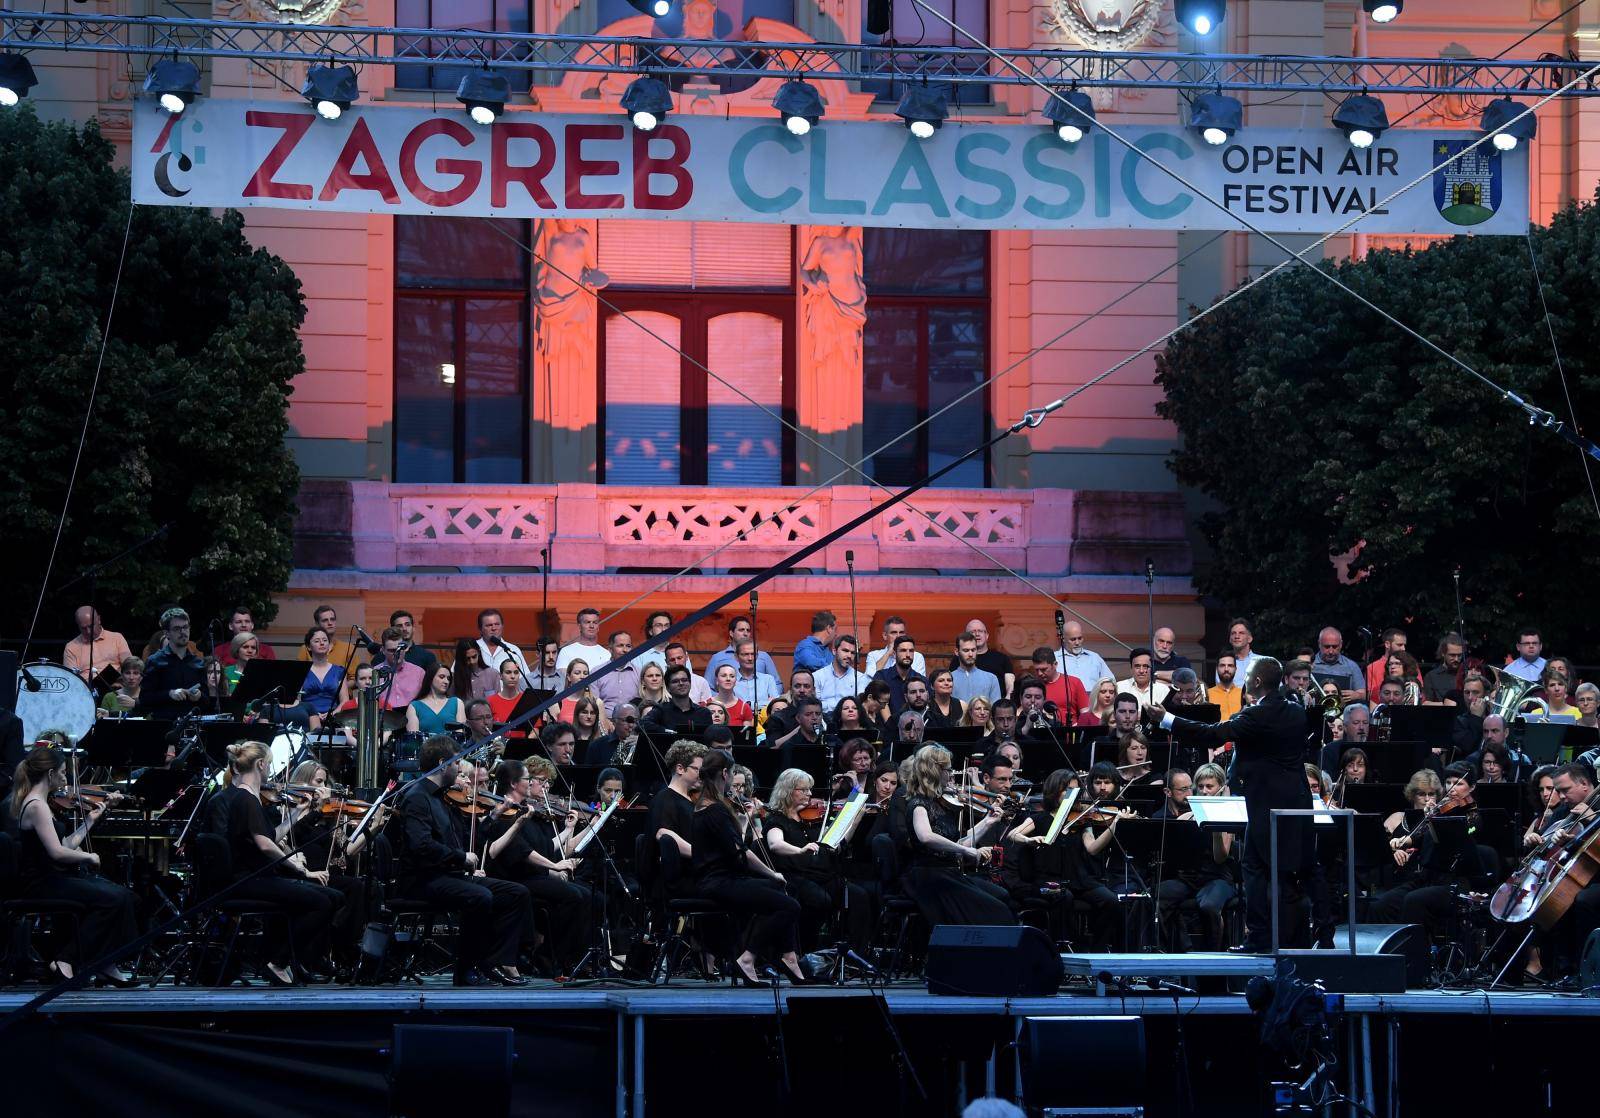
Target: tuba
(1510,698)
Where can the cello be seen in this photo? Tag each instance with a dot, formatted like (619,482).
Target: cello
(1547,881)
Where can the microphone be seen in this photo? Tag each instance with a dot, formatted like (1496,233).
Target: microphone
(752,601)
(29,683)
(1149,569)
(253,704)
(366,638)
(849,558)
(1061,619)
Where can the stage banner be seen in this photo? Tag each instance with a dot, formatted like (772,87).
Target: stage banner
(402,160)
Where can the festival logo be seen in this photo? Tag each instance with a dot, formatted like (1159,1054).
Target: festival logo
(172,166)
(1466,187)
(1104,24)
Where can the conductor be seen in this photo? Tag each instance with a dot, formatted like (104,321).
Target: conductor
(1269,739)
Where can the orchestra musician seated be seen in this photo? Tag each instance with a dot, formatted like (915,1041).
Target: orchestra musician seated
(938,848)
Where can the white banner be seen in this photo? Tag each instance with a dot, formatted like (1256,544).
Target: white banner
(394,159)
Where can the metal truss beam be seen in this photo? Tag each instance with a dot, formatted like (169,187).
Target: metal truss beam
(555,54)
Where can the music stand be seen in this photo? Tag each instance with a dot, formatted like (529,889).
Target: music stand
(1206,713)
(1509,798)
(1381,800)
(1145,799)
(1425,724)
(215,737)
(1394,761)
(581,780)
(811,759)
(1044,751)
(764,764)
(126,743)
(156,788)
(958,739)
(1496,828)
(1182,850)
(261,677)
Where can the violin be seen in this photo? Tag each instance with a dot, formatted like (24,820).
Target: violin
(761,809)
(470,803)
(338,805)
(87,797)
(1097,813)
(812,810)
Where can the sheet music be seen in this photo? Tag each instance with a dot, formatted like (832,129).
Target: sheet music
(594,828)
(1060,819)
(841,822)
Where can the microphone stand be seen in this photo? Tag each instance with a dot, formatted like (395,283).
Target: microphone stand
(755,639)
(855,624)
(1150,604)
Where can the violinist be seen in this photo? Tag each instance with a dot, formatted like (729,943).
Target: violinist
(1037,871)
(1425,894)
(524,845)
(1409,844)
(321,834)
(672,809)
(1544,799)
(729,870)
(1216,883)
(742,784)
(794,823)
(290,883)
(938,848)
(435,867)
(52,865)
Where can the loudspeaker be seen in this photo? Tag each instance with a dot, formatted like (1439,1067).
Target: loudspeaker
(1589,964)
(1406,940)
(980,961)
(878,17)
(429,1063)
(1088,1064)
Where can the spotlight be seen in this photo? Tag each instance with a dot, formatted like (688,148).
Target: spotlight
(1216,116)
(1071,113)
(331,90)
(646,100)
(800,106)
(656,9)
(484,93)
(1383,11)
(174,83)
(1502,114)
(1200,16)
(16,78)
(1362,119)
(924,109)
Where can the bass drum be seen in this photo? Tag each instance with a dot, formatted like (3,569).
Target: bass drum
(62,702)
(284,748)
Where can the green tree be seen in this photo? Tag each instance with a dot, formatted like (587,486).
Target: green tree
(189,421)
(1321,429)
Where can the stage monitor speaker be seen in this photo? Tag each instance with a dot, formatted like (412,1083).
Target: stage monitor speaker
(1406,940)
(1081,1065)
(1589,964)
(8,680)
(429,1063)
(966,960)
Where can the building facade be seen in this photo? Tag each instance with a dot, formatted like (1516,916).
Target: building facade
(528,412)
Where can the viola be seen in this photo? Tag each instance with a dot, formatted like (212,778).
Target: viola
(87,797)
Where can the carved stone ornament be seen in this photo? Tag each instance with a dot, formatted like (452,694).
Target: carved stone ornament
(290,11)
(1104,24)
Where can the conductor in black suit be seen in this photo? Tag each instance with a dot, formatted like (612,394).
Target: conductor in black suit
(1269,737)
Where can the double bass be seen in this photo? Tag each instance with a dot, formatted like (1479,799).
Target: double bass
(1543,887)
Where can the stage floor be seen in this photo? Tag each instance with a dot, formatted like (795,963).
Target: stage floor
(692,998)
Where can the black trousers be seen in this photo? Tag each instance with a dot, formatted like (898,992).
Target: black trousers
(1211,897)
(310,908)
(572,906)
(820,898)
(111,918)
(494,915)
(767,916)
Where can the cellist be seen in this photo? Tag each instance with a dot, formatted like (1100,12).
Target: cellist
(1575,784)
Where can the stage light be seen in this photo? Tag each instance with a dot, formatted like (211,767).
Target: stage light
(16,78)
(174,83)
(331,90)
(800,106)
(1071,114)
(924,109)
(1200,16)
(1503,114)
(1216,116)
(656,9)
(1383,11)
(1362,118)
(647,100)
(484,93)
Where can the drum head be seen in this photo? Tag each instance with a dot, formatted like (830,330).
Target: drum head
(284,748)
(63,702)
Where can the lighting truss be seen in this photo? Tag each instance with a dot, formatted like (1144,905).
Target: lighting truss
(557,54)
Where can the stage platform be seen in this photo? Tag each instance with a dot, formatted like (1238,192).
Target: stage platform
(626,1050)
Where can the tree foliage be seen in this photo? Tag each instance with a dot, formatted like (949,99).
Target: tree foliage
(1319,429)
(189,421)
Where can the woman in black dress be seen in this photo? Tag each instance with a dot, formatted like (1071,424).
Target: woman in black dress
(51,866)
(934,878)
(527,847)
(1121,915)
(813,874)
(944,709)
(731,873)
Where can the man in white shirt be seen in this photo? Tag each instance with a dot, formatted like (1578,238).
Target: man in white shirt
(658,622)
(840,678)
(1141,684)
(893,629)
(1082,664)
(587,647)
(1529,664)
(1240,639)
(677,655)
(493,648)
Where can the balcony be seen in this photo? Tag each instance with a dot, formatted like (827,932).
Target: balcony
(381,528)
